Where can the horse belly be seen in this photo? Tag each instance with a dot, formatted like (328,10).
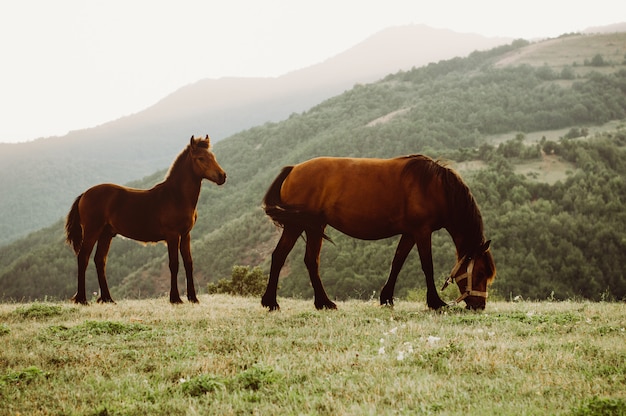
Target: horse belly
(143,234)
(367,220)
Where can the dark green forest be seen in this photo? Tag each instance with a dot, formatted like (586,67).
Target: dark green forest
(551,240)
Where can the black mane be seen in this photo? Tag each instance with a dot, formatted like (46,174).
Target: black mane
(464,215)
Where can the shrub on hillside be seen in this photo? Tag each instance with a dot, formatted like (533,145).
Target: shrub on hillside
(243,282)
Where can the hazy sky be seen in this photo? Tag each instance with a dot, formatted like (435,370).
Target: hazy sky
(72,64)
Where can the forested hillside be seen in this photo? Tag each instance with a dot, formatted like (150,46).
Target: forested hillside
(556,239)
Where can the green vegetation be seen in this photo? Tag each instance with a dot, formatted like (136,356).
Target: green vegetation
(243,282)
(38,311)
(149,357)
(560,240)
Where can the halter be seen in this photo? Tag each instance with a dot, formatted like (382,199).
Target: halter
(467,275)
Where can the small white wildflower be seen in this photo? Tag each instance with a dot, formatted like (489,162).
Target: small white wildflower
(530,314)
(490,333)
(400,356)
(381,351)
(182,380)
(393,330)
(382,340)
(433,340)
(409,347)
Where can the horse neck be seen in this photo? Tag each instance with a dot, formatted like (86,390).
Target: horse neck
(183,182)
(464,242)
(465,223)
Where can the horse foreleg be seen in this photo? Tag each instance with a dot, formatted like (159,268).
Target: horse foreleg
(402,251)
(426,258)
(185,252)
(312,262)
(173,243)
(83,262)
(283,248)
(100,259)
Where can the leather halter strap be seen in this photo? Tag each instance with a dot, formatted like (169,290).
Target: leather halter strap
(467,275)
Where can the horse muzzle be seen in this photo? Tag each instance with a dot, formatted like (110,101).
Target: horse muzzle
(219,179)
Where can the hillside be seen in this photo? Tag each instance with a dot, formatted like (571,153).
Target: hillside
(138,145)
(551,239)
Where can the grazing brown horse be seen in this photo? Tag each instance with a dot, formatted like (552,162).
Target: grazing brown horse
(167,212)
(371,199)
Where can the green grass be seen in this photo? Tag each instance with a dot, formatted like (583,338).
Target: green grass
(227,355)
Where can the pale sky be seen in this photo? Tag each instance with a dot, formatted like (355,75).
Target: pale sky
(73,64)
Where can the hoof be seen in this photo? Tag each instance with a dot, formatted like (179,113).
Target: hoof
(273,306)
(438,305)
(386,302)
(270,302)
(325,305)
(435,302)
(79,300)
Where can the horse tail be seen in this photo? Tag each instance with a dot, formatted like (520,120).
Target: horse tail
(272,203)
(282,214)
(73,228)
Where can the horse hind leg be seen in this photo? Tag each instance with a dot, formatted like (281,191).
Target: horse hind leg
(279,255)
(100,259)
(402,251)
(185,252)
(314,239)
(83,261)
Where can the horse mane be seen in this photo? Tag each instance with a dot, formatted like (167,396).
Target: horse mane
(178,162)
(465,217)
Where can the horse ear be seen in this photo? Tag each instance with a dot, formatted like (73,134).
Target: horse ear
(191,140)
(208,139)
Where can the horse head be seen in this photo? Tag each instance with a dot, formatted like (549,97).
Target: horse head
(203,160)
(473,273)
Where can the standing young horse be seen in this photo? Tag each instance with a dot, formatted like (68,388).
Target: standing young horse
(371,199)
(165,212)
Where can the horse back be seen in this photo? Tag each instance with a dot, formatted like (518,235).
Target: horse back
(326,182)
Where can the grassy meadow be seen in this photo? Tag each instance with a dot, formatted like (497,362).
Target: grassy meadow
(227,355)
